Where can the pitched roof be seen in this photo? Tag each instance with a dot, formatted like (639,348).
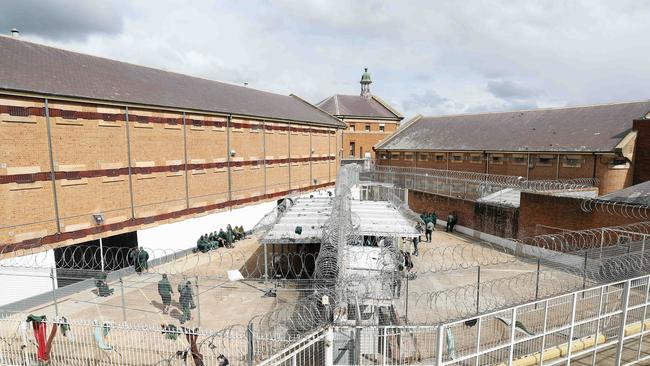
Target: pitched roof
(357,106)
(596,128)
(34,68)
(638,194)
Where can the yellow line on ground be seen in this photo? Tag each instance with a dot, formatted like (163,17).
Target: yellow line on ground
(145,296)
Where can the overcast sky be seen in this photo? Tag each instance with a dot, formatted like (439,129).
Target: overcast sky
(429,57)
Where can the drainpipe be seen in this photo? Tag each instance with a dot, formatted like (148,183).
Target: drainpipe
(487,162)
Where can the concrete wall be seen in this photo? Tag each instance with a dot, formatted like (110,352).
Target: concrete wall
(159,167)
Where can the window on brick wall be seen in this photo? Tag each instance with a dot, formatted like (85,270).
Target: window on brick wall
(475,158)
(382,128)
(423,157)
(383,156)
(518,159)
(351,127)
(352,149)
(545,160)
(408,156)
(18,111)
(395,156)
(69,114)
(457,158)
(367,128)
(440,157)
(496,159)
(572,161)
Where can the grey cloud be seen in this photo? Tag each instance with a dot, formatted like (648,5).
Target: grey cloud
(508,89)
(60,20)
(430,102)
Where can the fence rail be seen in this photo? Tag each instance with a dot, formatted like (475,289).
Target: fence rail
(603,325)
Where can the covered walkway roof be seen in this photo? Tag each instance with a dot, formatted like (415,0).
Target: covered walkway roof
(370,218)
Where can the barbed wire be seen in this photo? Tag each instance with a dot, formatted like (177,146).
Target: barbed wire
(614,208)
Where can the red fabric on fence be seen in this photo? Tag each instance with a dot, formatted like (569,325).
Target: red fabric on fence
(40,328)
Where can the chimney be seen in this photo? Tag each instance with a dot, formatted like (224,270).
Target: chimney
(15,32)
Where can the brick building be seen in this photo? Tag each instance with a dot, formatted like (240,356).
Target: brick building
(92,147)
(562,143)
(369,120)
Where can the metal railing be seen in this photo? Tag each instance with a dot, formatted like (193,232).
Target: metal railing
(607,324)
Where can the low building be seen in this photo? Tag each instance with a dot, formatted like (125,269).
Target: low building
(93,147)
(598,141)
(369,119)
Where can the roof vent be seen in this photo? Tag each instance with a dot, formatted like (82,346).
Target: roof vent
(15,32)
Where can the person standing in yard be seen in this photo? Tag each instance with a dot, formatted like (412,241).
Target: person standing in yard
(429,230)
(165,291)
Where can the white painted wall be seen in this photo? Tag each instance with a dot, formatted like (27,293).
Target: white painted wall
(184,234)
(21,282)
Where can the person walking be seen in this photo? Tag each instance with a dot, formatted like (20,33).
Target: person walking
(185,300)
(165,291)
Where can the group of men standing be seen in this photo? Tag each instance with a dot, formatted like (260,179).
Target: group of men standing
(223,238)
(186,297)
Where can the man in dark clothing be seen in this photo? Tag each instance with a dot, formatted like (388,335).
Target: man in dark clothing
(185,300)
(140,259)
(165,291)
(202,244)
(416,241)
(102,287)
(230,236)
(221,238)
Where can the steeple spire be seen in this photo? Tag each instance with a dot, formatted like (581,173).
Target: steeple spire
(365,83)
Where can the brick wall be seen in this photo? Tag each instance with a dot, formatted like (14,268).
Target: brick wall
(543,214)
(178,170)
(542,166)
(365,141)
(495,220)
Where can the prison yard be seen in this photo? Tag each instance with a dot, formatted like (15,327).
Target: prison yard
(224,225)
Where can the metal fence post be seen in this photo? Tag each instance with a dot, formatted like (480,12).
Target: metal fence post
(198,301)
(537,282)
(329,346)
(584,274)
(56,305)
(478,289)
(123,299)
(439,344)
(249,336)
(621,331)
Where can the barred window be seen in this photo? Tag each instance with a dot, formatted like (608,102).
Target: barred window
(69,114)
(18,111)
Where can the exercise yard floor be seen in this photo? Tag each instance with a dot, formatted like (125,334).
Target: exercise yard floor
(222,303)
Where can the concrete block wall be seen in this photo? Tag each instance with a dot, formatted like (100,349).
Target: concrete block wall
(141,166)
